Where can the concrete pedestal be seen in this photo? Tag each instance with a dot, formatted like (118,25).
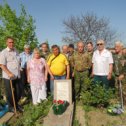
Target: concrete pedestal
(60,120)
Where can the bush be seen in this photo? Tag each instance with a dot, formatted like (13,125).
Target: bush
(32,114)
(96,94)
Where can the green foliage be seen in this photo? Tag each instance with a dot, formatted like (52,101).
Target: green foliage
(96,94)
(20,27)
(33,113)
(76,123)
(88,108)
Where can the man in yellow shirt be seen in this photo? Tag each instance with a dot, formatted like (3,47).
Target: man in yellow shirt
(58,66)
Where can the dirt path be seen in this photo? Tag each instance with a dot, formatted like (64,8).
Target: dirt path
(80,115)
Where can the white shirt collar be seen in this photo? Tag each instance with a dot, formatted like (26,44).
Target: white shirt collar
(9,50)
(104,50)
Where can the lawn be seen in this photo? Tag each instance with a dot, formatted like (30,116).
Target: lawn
(92,116)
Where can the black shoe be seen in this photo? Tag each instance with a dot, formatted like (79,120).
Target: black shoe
(20,109)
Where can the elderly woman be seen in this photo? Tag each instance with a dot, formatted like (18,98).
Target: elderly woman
(37,77)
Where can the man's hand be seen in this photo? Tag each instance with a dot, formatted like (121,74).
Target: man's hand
(73,74)
(67,77)
(92,74)
(46,78)
(52,77)
(11,75)
(28,80)
(109,76)
(121,77)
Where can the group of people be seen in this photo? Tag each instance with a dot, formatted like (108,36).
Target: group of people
(40,68)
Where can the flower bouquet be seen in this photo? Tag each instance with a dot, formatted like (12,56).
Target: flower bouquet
(115,109)
(59,106)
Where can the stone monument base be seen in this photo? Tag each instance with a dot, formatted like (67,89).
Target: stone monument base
(60,120)
(6,117)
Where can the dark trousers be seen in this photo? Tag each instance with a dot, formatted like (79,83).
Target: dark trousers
(15,85)
(101,80)
(48,84)
(23,82)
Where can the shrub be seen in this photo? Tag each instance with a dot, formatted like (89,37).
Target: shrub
(96,94)
(33,113)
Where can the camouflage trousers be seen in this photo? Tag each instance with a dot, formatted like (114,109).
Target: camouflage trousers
(79,80)
(123,85)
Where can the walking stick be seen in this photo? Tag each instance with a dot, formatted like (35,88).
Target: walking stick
(15,111)
(121,94)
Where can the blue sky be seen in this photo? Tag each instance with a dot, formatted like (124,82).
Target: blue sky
(49,15)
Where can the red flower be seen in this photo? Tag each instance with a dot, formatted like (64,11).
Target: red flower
(54,101)
(60,102)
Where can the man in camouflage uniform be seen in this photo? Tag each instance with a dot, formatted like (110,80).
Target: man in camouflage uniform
(90,50)
(81,62)
(45,53)
(70,55)
(120,68)
(45,50)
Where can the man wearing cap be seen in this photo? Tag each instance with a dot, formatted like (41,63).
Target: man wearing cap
(102,64)
(24,56)
(10,64)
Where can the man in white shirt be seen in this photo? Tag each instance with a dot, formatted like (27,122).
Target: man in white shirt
(102,64)
(10,64)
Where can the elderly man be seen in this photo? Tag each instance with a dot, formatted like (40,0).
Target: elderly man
(81,63)
(58,66)
(102,64)
(24,56)
(120,67)
(65,50)
(10,64)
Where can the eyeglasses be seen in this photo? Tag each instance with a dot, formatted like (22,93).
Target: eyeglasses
(99,44)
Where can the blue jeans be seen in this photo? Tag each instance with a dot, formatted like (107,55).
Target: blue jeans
(52,82)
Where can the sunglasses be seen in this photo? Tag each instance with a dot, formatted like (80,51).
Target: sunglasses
(99,44)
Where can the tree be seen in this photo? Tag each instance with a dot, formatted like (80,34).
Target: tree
(87,27)
(20,27)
